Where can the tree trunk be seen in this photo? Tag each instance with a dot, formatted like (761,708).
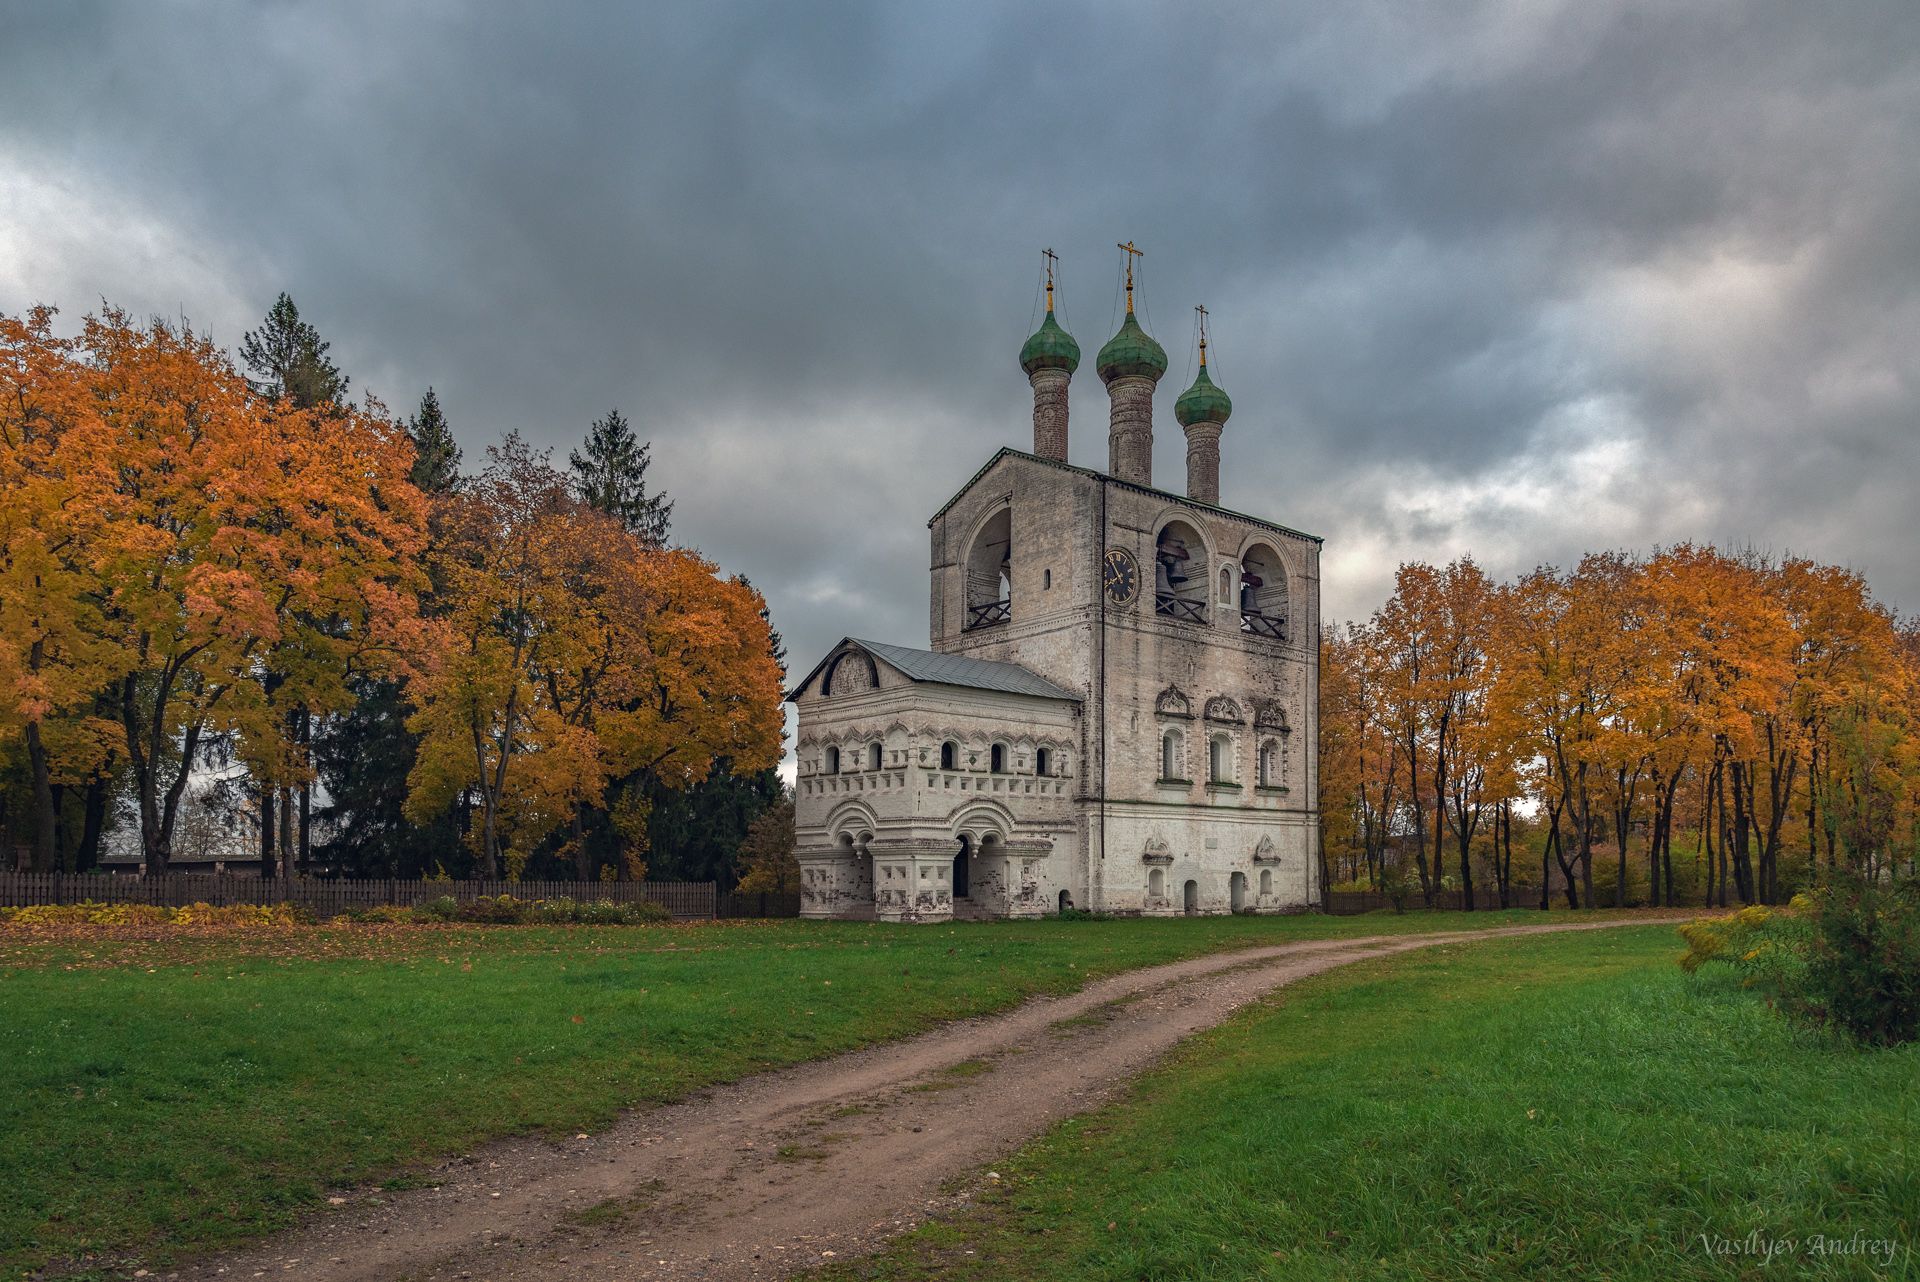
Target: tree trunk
(1586,839)
(93,825)
(1742,834)
(268,831)
(306,791)
(45,811)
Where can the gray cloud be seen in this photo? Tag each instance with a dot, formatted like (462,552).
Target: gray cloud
(1511,279)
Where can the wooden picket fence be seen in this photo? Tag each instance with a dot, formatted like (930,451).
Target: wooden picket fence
(686,900)
(759,903)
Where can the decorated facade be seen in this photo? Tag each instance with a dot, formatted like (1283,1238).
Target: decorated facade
(1117,710)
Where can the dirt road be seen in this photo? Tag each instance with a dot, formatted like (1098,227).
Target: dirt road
(789,1169)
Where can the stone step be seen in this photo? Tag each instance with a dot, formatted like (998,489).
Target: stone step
(967,910)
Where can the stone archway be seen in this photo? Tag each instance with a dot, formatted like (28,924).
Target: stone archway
(963,867)
(1190,898)
(1237,893)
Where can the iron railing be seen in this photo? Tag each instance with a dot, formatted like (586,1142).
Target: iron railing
(1179,608)
(986,616)
(1263,625)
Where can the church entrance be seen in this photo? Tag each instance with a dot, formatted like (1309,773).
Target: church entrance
(1190,901)
(960,862)
(1239,892)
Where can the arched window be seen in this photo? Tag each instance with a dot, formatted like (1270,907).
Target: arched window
(1220,759)
(1226,586)
(949,755)
(1266,881)
(997,759)
(1157,883)
(873,756)
(1042,762)
(1170,755)
(1269,764)
(833,761)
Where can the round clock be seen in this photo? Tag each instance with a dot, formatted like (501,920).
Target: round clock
(1122,576)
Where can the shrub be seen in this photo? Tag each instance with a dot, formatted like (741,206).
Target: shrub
(1847,956)
(1863,959)
(89,913)
(505,910)
(1082,914)
(439,908)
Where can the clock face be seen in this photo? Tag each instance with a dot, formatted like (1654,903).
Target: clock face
(1122,576)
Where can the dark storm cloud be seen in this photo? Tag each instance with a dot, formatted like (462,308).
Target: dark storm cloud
(1519,279)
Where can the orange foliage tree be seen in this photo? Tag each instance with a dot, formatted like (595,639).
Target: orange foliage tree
(1627,702)
(570,653)
(201,533)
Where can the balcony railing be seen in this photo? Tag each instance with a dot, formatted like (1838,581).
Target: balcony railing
(1263,625)
(1180,608)
(986,616)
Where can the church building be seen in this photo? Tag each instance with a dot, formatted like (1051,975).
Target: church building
(1117,710)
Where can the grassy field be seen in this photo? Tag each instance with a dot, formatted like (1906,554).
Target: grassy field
(188,1092)
(1566,1106)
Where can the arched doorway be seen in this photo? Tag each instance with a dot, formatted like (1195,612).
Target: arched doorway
(1066,901)
(960,867)
(1237,892)
(1190,900)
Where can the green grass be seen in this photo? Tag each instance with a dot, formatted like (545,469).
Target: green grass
(202,1091)
(1565,1106)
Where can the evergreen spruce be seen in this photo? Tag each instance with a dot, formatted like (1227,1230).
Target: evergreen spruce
(288,359)
(610,473)
(436,462)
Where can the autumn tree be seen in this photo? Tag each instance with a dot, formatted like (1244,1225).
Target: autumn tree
(573,652)
(54,659)
(218,527)
(365,752)
(767,853)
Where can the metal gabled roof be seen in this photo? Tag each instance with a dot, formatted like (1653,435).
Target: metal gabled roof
(950,670)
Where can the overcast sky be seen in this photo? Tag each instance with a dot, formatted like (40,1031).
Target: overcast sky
(1514,279)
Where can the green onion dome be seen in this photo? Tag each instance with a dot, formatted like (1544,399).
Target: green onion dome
(1131,351)
(1050,348)
(1202,403)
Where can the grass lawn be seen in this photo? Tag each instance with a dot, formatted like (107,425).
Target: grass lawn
(1566,1106)
(190,1092)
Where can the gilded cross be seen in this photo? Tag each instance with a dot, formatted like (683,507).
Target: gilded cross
(1132,254)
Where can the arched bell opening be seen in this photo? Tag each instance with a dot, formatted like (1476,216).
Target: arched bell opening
(990,573)
(1180,573)
(1263,593)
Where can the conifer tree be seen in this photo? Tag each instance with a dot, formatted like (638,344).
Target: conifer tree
(611,474)
(289,359)
(436,463)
